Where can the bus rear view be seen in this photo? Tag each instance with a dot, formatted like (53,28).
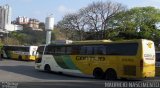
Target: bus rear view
(147,63)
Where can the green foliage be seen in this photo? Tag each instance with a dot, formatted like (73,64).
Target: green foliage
(139,18)
(138,22)
(93,22)
(11,41)
(1,44)
(31,37)
(58,35)
(28,36)
(99,20)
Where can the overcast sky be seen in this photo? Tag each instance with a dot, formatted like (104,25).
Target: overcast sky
(39,9)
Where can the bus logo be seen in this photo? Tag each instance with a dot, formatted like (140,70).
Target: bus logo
(149,45)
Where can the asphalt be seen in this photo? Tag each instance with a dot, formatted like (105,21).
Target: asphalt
(21,74)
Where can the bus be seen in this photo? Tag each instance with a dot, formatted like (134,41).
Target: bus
(19,52)
(102,59)
(157,63)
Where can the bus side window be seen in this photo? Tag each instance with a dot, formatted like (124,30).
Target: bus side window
(99,50)
(63,51)
(83,50)
(50,49)
(89,50)
(75,50)
(59,50)
(68,50)
(128,49)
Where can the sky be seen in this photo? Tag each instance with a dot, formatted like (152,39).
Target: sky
(40,9)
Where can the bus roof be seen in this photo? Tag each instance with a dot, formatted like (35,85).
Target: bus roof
(91,41)
(97,42)
(18,45)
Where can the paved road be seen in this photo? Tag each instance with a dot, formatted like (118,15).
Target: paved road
(23,74)
(23,71)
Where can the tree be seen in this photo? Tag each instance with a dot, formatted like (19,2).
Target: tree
(95,18)
(28,36)
(58,35)
(11,41)
(42,26)
(72,25)
(138,22)
(138,19)
(1,44)
(99,14)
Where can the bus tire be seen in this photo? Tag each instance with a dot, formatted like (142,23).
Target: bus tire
(47,68)
(110,74)
(98,73)
(20,58)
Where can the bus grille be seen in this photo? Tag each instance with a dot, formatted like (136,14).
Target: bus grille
(129,70)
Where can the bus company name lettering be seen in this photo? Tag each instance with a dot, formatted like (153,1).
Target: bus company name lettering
(149,56)
(90,58)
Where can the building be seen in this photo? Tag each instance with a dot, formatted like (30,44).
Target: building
(11,27)
(33,23)
(28,22)
(5,20)
(5,16)
(22,20)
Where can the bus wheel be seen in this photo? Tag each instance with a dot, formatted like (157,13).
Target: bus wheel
(47,68)
(20,58)
(110,74)
(98,73)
